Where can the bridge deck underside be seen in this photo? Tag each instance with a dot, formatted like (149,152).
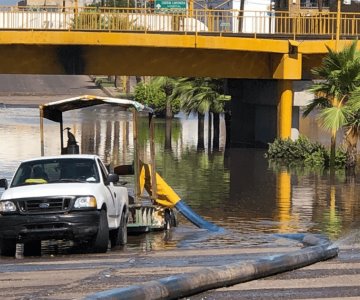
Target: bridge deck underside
(63,52)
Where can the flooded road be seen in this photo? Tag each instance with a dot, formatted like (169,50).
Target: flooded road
(236,189)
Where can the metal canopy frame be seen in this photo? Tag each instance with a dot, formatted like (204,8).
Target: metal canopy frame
(54,111)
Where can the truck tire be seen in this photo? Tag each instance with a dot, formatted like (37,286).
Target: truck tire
(101,239)
(32,248)
(8,247)
(119,235)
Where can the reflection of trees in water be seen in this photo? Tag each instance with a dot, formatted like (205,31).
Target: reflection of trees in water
(116,138)
(168,129)
(201,121)
(252,187)
(335,201)
(97,136)
(199,178)
(253,194)
(87,143)
(108,141)
(216,132)
(107,138)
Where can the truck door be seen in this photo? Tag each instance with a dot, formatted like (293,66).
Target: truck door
(110,193)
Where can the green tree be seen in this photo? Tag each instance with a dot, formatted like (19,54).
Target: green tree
(201,96)
(352,128)
(167,84)
(339,76)
(155,96)
(152,96)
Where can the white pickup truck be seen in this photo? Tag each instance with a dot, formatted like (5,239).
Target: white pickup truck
(70,197)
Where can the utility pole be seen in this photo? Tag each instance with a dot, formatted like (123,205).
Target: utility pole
(338,13)
(191,8)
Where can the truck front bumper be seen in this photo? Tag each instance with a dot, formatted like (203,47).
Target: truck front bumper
(80,225)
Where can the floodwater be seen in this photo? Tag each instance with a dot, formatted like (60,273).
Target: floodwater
(237,189)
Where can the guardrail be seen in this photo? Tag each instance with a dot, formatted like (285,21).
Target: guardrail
(185,21)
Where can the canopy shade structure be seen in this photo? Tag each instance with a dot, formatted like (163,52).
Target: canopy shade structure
(53,110)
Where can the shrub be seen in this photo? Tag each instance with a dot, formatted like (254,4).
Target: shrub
(151,96)
(303,151)
(155,97)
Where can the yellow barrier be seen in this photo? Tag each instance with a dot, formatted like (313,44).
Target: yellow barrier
(267,23)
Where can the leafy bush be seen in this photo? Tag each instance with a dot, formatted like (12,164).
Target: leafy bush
(151,96)
(154,97)
(303,151)
(340,158)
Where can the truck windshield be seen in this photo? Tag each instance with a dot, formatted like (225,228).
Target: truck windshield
(55,171)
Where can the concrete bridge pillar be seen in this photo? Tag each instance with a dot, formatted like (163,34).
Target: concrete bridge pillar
(284,117)
(261,111)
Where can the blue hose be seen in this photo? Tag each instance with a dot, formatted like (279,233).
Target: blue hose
(194,218)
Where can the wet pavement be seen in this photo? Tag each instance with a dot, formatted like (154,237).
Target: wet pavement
(337,278)
(32,90)
(74,276)
(78,275)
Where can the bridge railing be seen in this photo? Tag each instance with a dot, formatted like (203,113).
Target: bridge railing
(281,24)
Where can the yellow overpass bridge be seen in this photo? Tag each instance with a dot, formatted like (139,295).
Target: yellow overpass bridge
(216,43)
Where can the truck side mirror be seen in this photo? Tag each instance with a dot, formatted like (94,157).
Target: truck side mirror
(112,178)
(124,170)
(3,183)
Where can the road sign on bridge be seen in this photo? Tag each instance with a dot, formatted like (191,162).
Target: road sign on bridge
(170,4)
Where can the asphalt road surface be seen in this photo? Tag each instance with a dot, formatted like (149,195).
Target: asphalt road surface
(74,276)
(37,89)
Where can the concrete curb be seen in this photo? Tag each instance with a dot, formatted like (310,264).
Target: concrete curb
(178,286)
(108,91)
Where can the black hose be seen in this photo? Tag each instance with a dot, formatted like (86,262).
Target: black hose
(183,285)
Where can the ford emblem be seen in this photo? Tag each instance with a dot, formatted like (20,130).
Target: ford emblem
(44,205)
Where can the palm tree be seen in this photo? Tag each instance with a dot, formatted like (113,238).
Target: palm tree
(352,128)
(167,84)
(340,76)
(201,96)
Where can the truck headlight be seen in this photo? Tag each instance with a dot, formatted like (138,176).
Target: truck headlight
(85,202)
(7,206)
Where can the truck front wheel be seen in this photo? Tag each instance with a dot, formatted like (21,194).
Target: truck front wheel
(8,247)
(101,240)
(32,248)
(119,235)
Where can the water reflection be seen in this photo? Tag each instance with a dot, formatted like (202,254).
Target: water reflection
(236,189)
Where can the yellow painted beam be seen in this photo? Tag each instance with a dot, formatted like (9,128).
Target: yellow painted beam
(142,40)
(75,52)
(319,46)
(242,44)
(46,59)
(237,43)
(285,109)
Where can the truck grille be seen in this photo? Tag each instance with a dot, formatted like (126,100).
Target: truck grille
(44,205)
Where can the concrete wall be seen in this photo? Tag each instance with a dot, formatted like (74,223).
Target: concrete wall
(254,119)
(253,112)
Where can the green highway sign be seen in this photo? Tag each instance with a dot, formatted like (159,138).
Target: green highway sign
(170,4)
